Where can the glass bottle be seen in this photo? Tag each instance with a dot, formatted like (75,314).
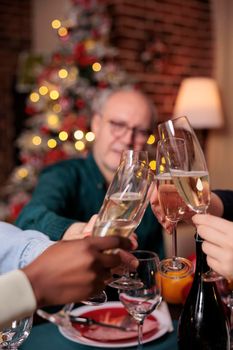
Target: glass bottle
(202,324)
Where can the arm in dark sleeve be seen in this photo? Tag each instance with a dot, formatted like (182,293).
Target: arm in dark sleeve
(51,204)
(226,197)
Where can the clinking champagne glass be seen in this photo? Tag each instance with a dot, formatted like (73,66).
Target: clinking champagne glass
(125,194)
(121,205)
(125,201)
(172,204)
(140,302)
(125,282)
(192,183)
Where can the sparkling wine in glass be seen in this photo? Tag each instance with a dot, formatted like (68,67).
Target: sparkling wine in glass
(124,204)
(172,205)
(140,302)
(191,179)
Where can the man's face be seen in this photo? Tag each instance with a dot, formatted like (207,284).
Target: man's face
(124,123)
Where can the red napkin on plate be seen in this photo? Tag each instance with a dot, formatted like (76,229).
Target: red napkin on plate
(114,316)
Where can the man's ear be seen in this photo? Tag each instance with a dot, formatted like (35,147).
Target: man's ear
(95,123)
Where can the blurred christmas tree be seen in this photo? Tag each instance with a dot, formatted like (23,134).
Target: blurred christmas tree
(59,107)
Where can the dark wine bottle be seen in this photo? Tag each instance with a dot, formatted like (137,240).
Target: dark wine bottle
(202,324)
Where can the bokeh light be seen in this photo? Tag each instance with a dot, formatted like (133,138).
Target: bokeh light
(79,145)
(78,134)
(63,135)
(52,143)
(36,140)
(90,136)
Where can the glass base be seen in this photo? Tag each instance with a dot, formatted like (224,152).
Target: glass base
(175,268)
(126,283)
(211,276)
(97,299)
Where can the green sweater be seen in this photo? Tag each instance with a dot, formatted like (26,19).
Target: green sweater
(73,190)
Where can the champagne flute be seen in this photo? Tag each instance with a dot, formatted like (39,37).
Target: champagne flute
(192,184)
(140,302)
(125,203)
(127,190)
(172,204)
(120,207)
(124,282)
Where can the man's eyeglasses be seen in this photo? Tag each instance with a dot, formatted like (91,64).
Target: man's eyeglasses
(120,129)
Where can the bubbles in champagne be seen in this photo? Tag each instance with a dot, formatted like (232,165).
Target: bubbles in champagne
(121,205)
(194,188)
(170,200)
(113,228)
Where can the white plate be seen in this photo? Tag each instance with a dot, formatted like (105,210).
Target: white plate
(75,337)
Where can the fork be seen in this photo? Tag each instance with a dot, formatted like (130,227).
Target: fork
(60,318)
(63,319)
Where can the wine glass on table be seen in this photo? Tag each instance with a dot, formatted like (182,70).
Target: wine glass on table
(140,302)
(13,336)
(190,179)
(172,205)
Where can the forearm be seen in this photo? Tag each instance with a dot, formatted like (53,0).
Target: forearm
(39,217)
(19,248)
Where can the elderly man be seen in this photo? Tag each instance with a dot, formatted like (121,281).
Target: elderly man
(70,192)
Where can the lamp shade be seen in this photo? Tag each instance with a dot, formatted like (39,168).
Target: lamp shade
(199,99)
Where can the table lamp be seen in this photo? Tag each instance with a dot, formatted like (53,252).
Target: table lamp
(199,100)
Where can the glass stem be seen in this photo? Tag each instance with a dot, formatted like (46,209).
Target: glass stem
(174,245)
(231,319)
(140,335)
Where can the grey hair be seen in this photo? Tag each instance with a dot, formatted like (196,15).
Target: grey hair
(102,97)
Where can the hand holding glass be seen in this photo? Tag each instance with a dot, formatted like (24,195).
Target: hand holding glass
(192,183)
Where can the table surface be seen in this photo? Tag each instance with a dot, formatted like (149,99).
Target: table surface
(47,337)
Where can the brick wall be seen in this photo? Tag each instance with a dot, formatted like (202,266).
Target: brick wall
(15,36)
(161,42)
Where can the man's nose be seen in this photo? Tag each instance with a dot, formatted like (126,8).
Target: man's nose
(129,137)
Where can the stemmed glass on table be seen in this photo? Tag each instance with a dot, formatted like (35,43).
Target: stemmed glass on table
(191,179)
(13,336)
(141,301)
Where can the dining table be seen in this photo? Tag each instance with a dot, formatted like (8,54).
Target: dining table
(47,336)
